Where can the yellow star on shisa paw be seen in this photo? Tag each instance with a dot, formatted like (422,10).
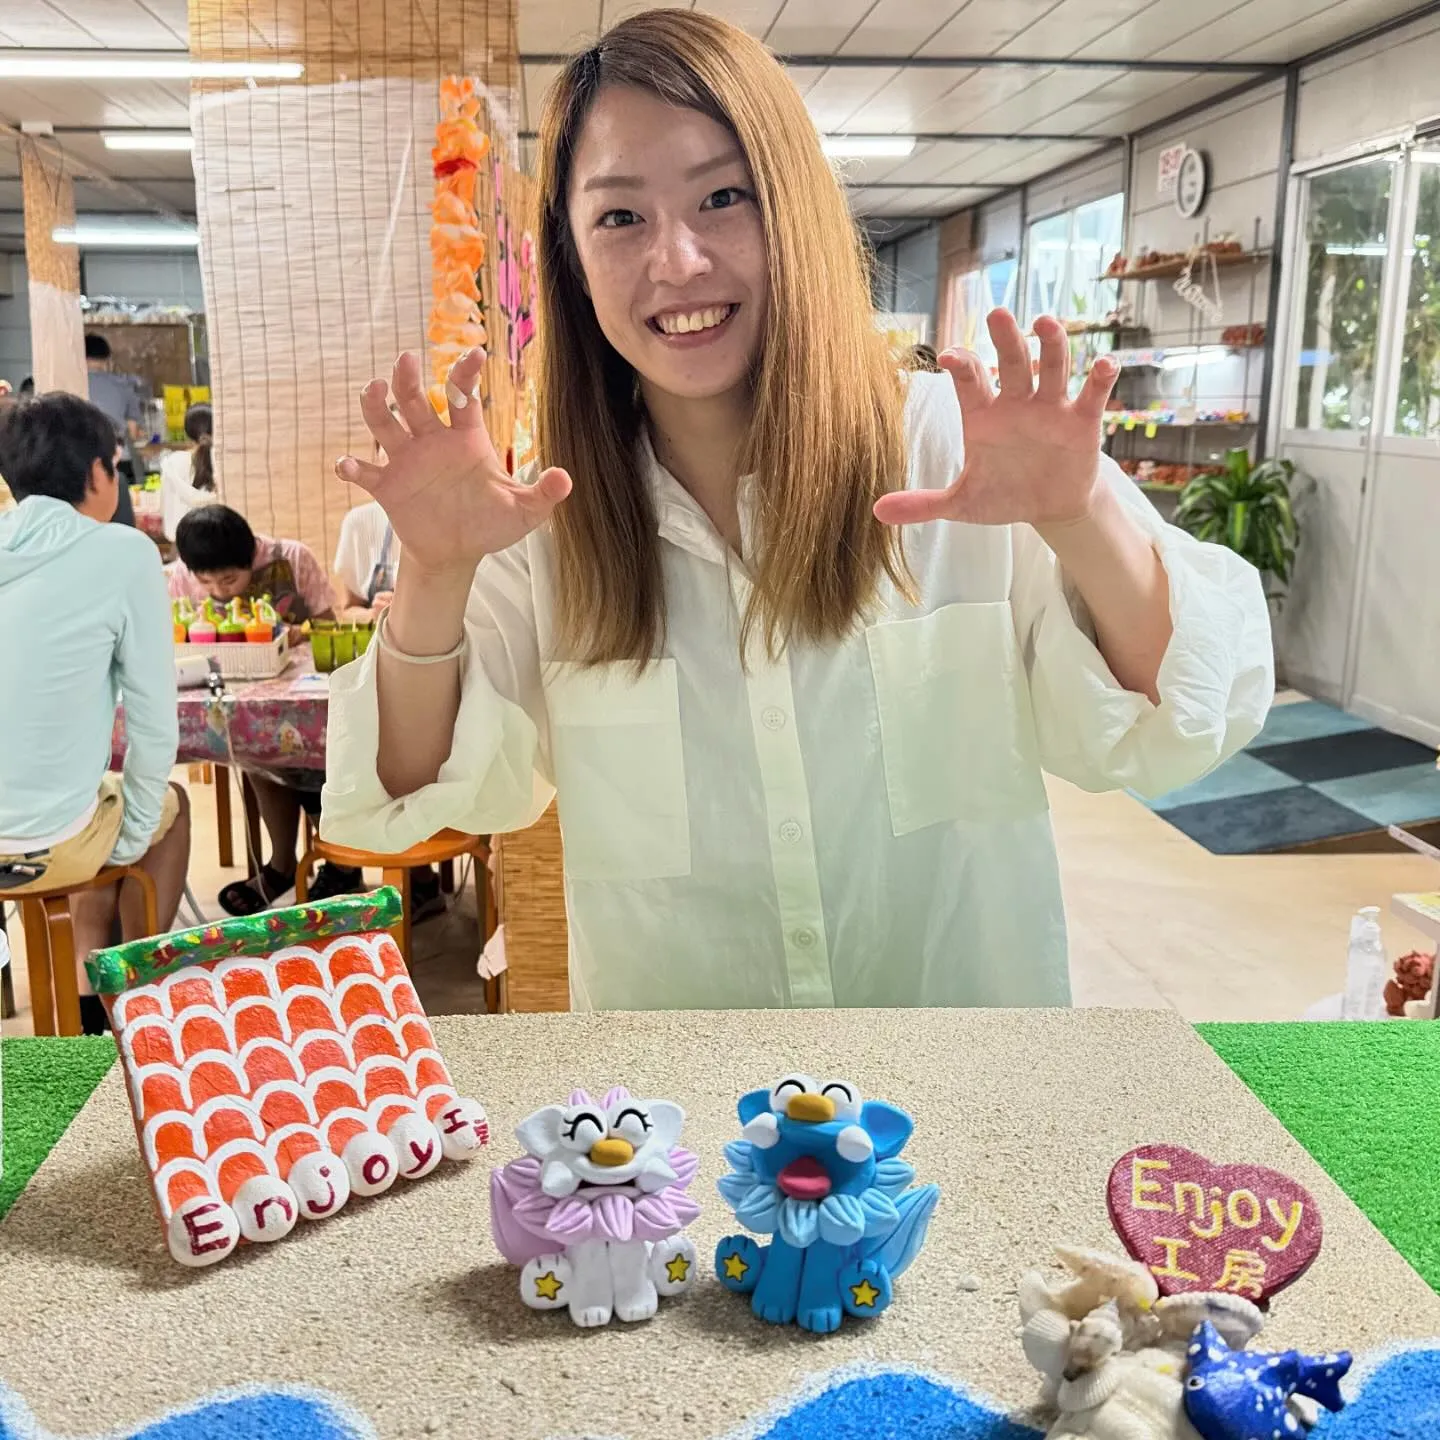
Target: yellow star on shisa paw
(549,1285)
(735,1267)
(678,1270)
(865,1294)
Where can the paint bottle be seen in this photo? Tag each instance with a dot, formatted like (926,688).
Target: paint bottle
(1366,969)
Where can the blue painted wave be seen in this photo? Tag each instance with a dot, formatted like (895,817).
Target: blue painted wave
(1398,1400)
(892,1405)
(233,1415)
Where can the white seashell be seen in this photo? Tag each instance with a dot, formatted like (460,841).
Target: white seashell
(1095,1340)
(1045,1340)
(1147,1403)
(1236,1319)
(1092,1389)
(1101,1276)
(1035,1294)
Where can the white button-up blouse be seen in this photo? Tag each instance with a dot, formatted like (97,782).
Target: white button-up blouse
(863,822)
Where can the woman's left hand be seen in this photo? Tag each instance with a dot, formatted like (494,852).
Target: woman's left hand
(1032,455)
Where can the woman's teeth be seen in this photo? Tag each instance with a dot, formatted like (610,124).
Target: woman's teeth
(695,320)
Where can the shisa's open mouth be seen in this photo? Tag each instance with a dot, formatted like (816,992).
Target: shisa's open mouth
(804,1179)
(588,1190)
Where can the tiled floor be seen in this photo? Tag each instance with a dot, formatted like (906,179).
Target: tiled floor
(1314,774)
(1155,919)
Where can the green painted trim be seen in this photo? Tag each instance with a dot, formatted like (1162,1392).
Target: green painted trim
(142,962)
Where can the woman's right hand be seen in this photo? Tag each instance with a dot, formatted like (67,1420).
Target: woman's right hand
(443,487)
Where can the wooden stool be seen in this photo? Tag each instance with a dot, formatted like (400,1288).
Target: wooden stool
(50,946)
(448,845)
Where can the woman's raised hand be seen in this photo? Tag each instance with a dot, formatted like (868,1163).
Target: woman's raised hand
(1032,455)
(442,486)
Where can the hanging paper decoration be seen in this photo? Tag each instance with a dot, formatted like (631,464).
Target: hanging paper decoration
(457,244)
(515,293)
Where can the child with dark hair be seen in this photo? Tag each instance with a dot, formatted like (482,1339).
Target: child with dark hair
(221,557)
(82,620)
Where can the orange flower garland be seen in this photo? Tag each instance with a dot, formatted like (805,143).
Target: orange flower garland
(457,246)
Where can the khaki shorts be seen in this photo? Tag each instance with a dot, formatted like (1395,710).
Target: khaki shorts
(82,857)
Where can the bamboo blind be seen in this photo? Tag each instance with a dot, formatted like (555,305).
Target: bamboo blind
(314,209)
(531,893)
(56,336)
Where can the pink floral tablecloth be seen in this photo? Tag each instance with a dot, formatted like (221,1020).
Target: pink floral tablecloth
(270,724)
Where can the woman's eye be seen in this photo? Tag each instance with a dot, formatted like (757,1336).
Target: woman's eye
(618,219)
(724,199)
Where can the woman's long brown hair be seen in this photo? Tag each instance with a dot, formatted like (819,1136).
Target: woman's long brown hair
(827,434)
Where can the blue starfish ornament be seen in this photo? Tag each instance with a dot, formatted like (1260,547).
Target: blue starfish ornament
(1243,1394)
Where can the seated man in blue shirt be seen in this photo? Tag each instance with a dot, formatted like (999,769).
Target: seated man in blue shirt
(84,617)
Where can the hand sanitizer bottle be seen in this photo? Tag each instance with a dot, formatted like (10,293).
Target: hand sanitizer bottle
(1367,968)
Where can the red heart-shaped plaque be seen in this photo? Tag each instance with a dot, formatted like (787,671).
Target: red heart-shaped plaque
(1202,1226)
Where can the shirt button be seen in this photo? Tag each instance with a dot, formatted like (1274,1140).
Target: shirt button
(804,938)
(773,718)
(791,831)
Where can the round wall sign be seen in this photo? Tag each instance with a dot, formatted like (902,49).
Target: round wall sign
(1191,182)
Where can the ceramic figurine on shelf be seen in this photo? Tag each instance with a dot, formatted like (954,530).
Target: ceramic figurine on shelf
(819,1170)
(595,1209)
(1120,1361)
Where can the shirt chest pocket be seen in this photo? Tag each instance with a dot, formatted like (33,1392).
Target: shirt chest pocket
(956,726)
(619,770)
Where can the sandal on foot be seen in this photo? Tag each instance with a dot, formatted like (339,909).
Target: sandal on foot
(257,893)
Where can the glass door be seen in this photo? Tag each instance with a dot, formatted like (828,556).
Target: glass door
(1361,420)
(1339,270)
(1392,671)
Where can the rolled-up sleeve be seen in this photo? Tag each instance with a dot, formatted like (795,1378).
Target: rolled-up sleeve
(1216,682)
(496,777)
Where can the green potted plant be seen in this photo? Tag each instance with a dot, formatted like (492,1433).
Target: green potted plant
(1246,506)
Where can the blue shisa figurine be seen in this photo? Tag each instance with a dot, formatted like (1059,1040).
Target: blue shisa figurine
(819,1171)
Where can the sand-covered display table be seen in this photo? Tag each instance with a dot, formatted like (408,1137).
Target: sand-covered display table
(403,1312)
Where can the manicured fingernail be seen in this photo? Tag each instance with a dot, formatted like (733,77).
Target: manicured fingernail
(455,395)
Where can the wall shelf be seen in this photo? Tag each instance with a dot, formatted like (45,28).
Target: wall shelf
(1172,269)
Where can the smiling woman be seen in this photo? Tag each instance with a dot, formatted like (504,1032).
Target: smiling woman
(797,763)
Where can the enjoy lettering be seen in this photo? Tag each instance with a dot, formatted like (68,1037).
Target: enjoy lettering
(1207,1213)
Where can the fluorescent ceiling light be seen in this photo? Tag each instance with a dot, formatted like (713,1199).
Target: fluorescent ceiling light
(119,234)
(138,65)
(151,140)
(1367,249)
(868,147)
(1426,157)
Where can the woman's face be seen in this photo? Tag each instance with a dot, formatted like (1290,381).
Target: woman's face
(664,217)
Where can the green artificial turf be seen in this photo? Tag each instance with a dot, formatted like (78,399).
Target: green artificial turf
(45,1082)
(1362,1098)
